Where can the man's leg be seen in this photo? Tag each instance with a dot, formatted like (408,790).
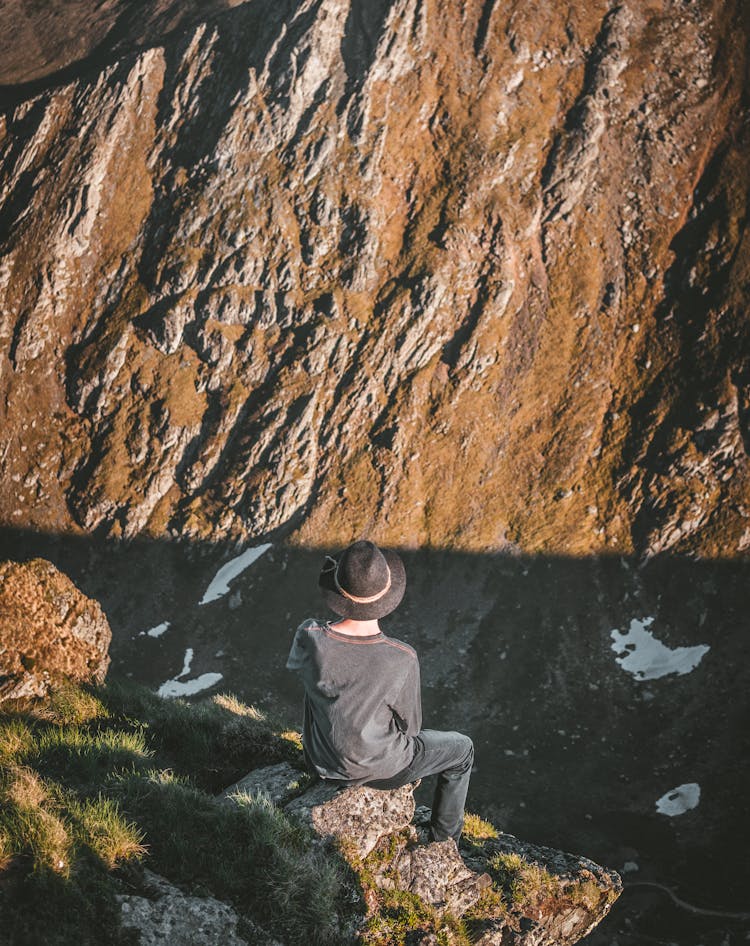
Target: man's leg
(449,755)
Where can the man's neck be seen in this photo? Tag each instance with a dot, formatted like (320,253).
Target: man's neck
(356,628)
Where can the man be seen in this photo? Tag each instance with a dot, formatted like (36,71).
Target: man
(363,709)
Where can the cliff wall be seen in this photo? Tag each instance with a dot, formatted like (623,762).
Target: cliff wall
(468,274)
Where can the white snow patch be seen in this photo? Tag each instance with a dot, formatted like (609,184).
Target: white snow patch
(177,687)
(646,658)
(186,687)
(229,571)
(156,631)
(679,800)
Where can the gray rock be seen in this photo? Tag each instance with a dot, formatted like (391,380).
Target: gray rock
(362,815)
(279,783)
(167,915)
(436,873)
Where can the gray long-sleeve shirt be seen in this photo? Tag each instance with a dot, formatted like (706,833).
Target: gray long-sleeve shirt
(362,701)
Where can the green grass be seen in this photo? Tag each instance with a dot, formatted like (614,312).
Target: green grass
(520,881)
(96,782)
(476,829)
(397,917)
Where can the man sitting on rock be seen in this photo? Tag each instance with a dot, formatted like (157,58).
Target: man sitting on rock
(363,709)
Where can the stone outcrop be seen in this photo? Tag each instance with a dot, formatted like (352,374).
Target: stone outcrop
(49,630)
(167,915)
(543,897)
(567,897)
(362,816)
(464,274)
(434,872)
(277,782)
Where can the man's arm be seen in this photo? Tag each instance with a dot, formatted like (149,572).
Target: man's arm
(408,706)
(297,655)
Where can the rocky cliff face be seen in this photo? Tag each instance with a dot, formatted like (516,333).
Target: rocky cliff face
(463,274)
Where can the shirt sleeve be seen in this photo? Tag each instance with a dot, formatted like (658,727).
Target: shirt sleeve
(408,705)
(298,653)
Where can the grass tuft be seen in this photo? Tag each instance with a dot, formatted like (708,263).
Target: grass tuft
(16,738)
(96,780)
(100,826)
(586,893)
(234,705)
(71,704)
(520,880)
(477,829)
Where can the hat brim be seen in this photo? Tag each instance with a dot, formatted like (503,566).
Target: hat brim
(346,608)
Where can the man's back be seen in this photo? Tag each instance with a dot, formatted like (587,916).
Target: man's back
(363,710)
(362,701)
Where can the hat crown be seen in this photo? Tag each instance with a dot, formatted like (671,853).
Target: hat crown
(362,569)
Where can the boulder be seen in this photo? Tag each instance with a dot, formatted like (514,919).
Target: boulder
(167,915)
(436,873)
(361,816)
(279,783)
(49,631)
(536,896)
(364,819)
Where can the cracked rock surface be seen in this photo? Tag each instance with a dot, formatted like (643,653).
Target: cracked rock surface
(463,274)
(379,834)
(167,915)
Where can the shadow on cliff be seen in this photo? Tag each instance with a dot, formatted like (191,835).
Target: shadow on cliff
(573,750)
(134,29)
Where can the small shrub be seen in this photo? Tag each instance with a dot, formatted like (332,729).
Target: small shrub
(489,906)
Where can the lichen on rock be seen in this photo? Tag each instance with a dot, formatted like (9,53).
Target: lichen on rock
(509,891)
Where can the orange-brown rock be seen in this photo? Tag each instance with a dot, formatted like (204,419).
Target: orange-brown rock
(49,631)
(464,274)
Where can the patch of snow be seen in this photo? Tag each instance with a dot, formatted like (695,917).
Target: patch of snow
(679,800)
(630,867)
(186,663)
(174,688)
(177,687)
(230,570)
(646,658)
(156,631)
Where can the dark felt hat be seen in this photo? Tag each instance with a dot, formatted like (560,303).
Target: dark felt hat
(363,582)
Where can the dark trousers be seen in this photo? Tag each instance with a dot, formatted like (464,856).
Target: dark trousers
(449,755)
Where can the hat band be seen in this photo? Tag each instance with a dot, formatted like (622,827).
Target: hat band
(355,598)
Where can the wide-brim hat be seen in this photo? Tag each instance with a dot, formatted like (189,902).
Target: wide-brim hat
(363,582)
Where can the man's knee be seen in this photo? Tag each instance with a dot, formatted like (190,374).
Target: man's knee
(465,752)
(469,746)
